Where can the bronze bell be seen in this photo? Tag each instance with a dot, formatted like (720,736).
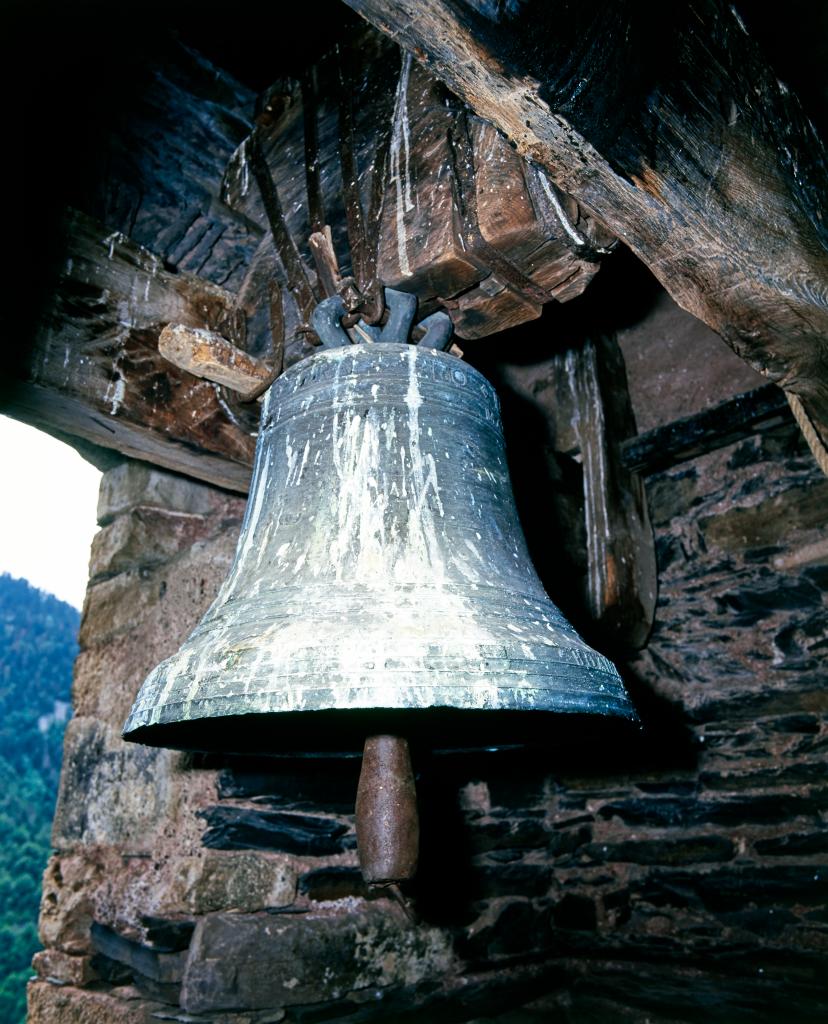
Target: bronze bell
(381,583)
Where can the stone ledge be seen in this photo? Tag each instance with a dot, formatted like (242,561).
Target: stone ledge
(259,961)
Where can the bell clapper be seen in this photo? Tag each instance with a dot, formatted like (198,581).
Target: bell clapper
(387,823)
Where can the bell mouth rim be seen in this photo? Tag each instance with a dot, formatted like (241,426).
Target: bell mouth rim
(341,732)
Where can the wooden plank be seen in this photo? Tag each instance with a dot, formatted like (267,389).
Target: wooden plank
(94,369)
(566,420)
(665,123)
(723,424)
(621,564)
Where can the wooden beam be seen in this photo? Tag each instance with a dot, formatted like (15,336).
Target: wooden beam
(210,356)
(94,370)
(72,419)
(723,424)
(95,373)
(590,389)
(663,121)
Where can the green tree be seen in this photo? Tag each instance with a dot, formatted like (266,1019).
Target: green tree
(38,646)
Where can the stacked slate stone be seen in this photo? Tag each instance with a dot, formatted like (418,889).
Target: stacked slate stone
(680,875)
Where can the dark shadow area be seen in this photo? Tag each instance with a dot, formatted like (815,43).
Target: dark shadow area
(546,482)
(618,297)
(796,47)
(78,72)
(320,762)
(442,890)
(548,490)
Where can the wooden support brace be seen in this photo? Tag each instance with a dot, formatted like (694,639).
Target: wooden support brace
(723,424)
(210,356)
(622,577)
(390,158)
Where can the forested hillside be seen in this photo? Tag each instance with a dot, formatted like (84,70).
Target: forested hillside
(37,647)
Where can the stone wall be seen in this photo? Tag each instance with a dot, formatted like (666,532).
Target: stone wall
(673,874)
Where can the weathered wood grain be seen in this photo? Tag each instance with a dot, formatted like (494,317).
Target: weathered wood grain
(327,265)
(663,121)
(544,240)
(164,194)
(749,413)
(297,277)
(621,565)
(95,372)
(210,356)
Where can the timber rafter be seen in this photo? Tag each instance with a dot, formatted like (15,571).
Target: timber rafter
(664,122)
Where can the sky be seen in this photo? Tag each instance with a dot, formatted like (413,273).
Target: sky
(48,500)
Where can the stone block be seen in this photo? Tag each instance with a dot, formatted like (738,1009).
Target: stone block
(508,834)
(96,884)
(145,538)
(799,774)
(242,881)
(136,619)
(53,1004)
(172,596)
(67,904)
(241,828)
(683,850)
(60,968)
(737,887)
(108,675)
(138,483)
(111,792)
(794,844)
(138,802)
(262,960)
(688,812)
